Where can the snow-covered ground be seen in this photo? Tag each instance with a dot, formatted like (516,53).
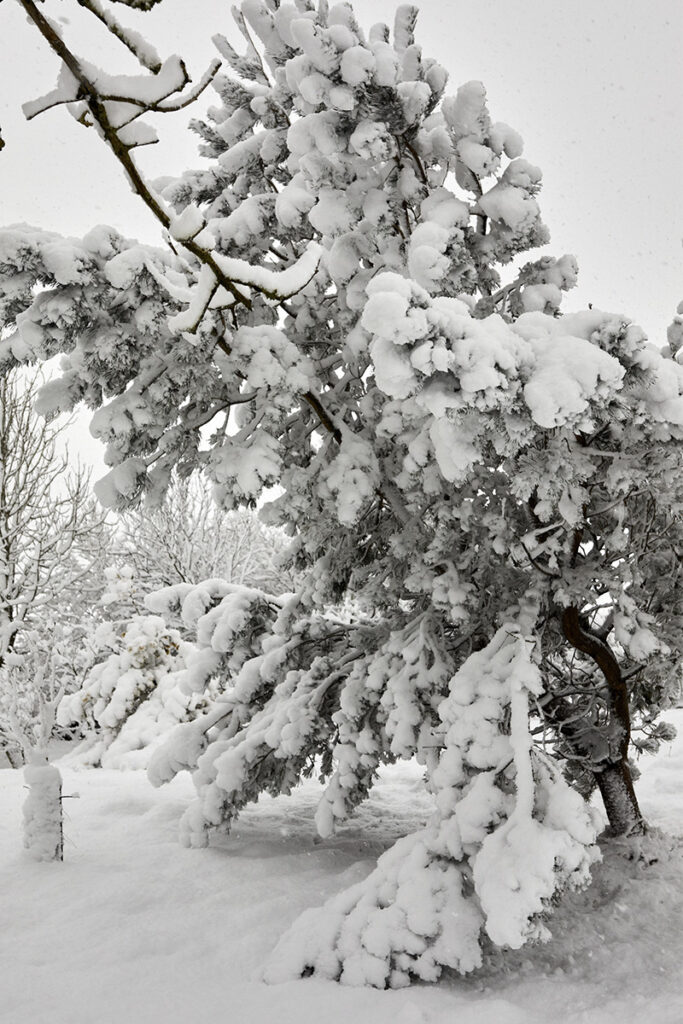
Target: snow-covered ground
(134,929)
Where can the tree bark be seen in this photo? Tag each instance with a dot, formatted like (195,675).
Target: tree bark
(615,783)
(613,775)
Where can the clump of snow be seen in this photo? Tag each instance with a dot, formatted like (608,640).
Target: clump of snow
(411,913)
(357,65)
(466,113)
(513,206)
(351,476)
(434,351)
(186,224)
(568,374)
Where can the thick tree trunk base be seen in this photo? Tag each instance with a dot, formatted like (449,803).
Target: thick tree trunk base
(618,795)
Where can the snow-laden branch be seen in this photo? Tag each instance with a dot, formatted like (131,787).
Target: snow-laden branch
(141,49)
(277,285)
(107,100)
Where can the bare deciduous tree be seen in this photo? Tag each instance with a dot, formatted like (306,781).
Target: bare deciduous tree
(188,539)
(51,534)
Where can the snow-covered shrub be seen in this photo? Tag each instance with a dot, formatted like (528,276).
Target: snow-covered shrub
(130,699)
(498,798)
(237,646)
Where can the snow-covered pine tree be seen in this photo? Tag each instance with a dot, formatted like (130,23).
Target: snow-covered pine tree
(495,486)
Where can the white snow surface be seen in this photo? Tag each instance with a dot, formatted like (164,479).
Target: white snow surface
(133,927)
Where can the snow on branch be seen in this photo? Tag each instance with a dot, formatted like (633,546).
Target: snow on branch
(276,284)
(192,94)
(132,40)
(115,102)
(66,91)
(138,5)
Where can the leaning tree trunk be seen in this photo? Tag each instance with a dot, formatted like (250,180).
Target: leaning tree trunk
(613,775)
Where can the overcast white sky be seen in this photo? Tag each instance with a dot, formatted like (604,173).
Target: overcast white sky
(595,89)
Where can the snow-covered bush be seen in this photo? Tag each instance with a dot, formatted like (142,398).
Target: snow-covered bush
(131,699)
(494,485)
(144,676)
(499,801)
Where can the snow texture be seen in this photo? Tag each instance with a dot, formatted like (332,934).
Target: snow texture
(614,958)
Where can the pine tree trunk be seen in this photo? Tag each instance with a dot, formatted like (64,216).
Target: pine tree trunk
(613,777)
(618,795)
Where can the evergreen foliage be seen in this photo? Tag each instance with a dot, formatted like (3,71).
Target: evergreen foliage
(483,496)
